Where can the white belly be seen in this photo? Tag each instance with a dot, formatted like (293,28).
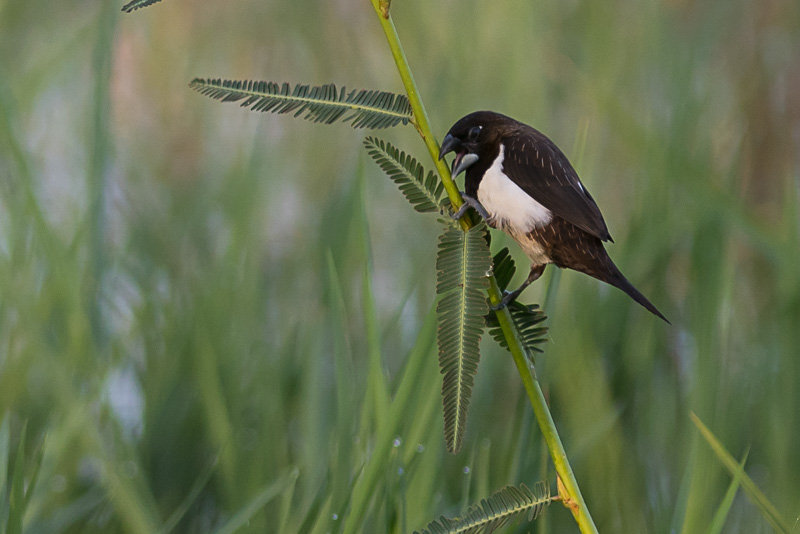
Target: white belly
(508,206)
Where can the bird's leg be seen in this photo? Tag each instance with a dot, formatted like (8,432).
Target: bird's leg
(470,202)
(510,296)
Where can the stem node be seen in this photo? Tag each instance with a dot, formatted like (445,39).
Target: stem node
(385,5)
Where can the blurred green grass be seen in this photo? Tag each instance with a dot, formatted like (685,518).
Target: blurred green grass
(221,318)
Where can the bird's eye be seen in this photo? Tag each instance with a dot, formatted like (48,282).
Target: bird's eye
(474,132)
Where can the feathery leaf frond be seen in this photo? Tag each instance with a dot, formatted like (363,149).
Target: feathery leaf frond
(508,504)
(461,280)
(133,5)
(407,173)
(323,103)
(526,318)
(503,267)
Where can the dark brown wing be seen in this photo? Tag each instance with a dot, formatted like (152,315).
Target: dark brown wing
(538,167)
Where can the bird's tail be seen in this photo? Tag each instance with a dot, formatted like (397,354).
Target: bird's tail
(610,274)
(617,279)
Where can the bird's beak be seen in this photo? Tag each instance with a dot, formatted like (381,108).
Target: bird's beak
(462,159)
(449,143)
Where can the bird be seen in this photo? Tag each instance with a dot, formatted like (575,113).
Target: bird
(520,182)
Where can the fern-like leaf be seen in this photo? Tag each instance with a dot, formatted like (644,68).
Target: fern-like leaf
(362,109)
(503,267)
(407,173)
(526,318)
(133,5)
(508,504)
(462,265)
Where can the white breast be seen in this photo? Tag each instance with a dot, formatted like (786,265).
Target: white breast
(507,204)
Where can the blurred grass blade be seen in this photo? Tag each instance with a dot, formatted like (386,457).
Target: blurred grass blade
(67,518)
(19,492)
(725,506)
(313,510)
(407,390)
(133,5)
(323,103)
(377,386)
(260,500)
(286,500)
(36,467)
(345,382)
(99,149)
(16,496)
(4,456)
(681,502)
(197,487)
(462,264)
(755,495)
(508,504)
(131,502)
(377,399)
(424,194)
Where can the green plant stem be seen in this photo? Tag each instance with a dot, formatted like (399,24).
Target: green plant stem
(421,122)
(544,418)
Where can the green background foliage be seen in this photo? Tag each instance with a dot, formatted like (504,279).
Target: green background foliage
(223,319)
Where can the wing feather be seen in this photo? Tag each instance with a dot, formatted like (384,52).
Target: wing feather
(538,167)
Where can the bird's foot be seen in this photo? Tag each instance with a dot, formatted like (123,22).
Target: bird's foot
(508,298)
(511,296)
(470,202)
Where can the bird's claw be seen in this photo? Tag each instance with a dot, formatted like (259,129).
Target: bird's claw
(470,202)
(461,211)
(508,297)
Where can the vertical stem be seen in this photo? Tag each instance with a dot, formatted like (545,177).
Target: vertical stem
(545,420)
(421,121)
(538,402)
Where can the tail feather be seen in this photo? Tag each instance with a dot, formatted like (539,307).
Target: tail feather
(570,247)
(617,279)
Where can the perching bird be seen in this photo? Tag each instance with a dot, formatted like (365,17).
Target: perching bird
(520,182)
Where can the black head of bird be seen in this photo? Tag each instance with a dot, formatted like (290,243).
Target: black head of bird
(521,183)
